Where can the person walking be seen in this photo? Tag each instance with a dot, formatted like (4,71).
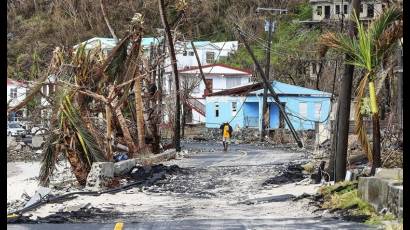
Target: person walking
(226,134)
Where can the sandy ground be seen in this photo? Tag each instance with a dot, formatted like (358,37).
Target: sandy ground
(21,178)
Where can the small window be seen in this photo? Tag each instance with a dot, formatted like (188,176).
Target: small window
(191,53)
(361,8)
(370,11)
(210,56)
(232,82)
(319,10)
(345,9)
(13,93)
(234,106)
(327,12)
(216,110)
(337,9)
(303,110)
(184,53)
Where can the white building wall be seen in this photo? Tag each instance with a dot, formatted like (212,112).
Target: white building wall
(20,96)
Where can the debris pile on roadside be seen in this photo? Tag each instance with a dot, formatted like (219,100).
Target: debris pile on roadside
(292,173)
(21,149)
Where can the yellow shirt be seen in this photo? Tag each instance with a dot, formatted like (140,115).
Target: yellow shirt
(226,131)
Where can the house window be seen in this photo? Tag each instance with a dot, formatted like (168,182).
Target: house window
(216,110)
(303,110)
(327,12)
(337,9)
(345,9)
(361,8)
(191,53)
(319,10)
(13,93)
(184,53)
(318,107)
(210,56)
(370,10)
(234,106)
(232,82)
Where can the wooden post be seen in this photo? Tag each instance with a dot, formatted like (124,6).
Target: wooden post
(265,89)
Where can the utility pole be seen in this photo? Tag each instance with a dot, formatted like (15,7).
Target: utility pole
(269,86)
(265,90)
(267,65)
(177,121)
(343,112)
(199,66)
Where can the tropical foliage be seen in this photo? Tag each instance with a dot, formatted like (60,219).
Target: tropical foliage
(368,51)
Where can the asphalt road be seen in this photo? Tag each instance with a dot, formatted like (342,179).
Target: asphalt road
(237,224)
(209,197)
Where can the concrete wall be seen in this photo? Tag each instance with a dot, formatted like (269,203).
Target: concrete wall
(384,190)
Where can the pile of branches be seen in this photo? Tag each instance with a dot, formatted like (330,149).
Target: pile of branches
(89,85)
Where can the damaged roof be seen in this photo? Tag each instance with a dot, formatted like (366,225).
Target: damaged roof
(279,87)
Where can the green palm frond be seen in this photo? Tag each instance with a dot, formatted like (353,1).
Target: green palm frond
(383,21)
(49,159)
(91,150)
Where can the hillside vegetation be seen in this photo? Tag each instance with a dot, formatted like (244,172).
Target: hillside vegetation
(34,28)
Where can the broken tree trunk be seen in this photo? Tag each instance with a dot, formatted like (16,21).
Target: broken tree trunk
(140,113)
(124,127)
(177,122)
(78,168)
(108,138)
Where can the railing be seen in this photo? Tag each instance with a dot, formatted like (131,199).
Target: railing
(196,105)
(251,121)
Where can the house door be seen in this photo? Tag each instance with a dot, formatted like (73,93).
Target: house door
(276,119)
(327,12)
(208,85)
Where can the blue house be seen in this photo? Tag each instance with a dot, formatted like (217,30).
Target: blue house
(242,107)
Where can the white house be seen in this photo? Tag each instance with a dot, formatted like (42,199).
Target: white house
(16,93)
(108,44)
(334,9)
(218,77)
(208,53)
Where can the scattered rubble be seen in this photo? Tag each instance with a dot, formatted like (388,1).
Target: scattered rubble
(292,173)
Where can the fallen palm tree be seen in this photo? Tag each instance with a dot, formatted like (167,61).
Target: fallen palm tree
(90,113)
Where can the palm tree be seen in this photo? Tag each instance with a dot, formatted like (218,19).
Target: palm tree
(367,52)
